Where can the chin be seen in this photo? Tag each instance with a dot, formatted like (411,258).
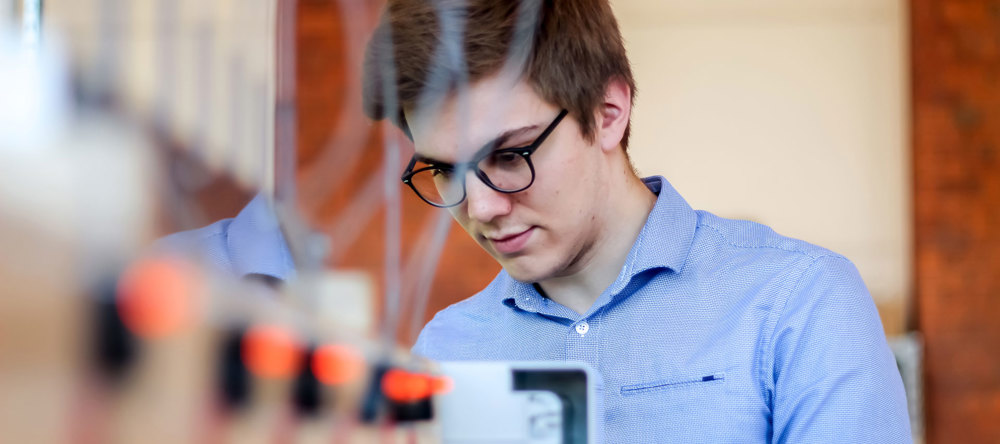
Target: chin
(525,270)
(529,278)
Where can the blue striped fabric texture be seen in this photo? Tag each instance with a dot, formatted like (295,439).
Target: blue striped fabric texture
(250,243)
(716,330)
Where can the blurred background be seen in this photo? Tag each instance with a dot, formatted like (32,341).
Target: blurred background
(870,127)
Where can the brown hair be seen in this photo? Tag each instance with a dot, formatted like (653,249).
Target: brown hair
(571,50)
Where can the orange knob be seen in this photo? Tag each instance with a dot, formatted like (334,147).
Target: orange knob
(403,386)
(337,364)
(272,352)
(156,296)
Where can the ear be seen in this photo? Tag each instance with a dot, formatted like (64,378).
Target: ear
(613,114)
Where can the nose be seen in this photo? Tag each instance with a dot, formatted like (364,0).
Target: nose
(483,203)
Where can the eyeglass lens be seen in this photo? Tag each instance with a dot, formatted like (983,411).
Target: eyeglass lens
(505,171)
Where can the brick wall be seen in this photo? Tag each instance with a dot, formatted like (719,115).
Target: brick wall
(956,143)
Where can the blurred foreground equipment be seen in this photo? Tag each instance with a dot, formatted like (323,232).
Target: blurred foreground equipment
(105,338)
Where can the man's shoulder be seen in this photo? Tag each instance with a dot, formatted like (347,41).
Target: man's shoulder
(480,307)
(197,236)
(249,244)
(753,237)
(461,319)
(800,274)
(207,244)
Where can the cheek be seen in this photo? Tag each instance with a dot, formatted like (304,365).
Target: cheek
(581,198)
(564,197)
(572,185)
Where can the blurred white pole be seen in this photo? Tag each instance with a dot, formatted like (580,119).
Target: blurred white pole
(33,93)
(270,113)
(31,22)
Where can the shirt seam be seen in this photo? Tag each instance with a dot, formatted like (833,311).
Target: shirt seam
(774,319)
(727,240)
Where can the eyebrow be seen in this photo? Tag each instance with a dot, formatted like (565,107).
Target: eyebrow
(489,146)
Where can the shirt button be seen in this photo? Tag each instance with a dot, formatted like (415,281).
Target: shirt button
(582,328)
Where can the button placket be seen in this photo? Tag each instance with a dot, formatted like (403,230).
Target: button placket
(581,342)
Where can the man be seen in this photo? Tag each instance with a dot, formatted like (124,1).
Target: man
(704,329)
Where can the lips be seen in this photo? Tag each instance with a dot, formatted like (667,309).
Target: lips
(511,244)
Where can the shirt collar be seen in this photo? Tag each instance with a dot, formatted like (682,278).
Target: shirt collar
(664,242)
(525,297)
(255,242)
(665,239)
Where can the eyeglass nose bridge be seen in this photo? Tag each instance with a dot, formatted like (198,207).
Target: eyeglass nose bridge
(463,183)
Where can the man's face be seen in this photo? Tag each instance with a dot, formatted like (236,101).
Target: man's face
(547,230)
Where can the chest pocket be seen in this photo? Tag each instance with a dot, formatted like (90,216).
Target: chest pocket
(675,384)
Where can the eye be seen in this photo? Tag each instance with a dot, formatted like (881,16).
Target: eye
(441,173)
(507,157)
(501,159)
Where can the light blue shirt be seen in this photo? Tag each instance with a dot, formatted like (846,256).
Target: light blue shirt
(715,330)
(249,244)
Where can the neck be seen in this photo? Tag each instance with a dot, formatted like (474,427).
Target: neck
(629,203)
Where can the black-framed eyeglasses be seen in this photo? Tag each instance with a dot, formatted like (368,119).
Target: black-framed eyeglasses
(507,170)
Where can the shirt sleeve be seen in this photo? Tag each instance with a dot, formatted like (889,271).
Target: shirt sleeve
(832,375)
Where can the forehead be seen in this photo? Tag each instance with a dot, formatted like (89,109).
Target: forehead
(458,124)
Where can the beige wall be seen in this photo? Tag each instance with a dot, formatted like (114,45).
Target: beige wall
(788,112)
